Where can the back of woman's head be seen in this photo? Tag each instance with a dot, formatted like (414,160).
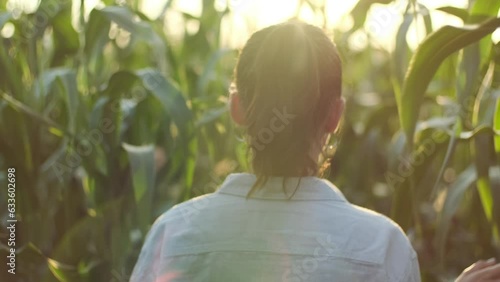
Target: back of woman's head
(288,77)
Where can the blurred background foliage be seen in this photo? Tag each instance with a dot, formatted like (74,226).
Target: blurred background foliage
(109,121)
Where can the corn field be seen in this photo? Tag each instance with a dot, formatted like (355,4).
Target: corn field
(109,120)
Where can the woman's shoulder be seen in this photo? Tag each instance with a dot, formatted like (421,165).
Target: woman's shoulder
(374,218)
(184,212)
(375,237)
(375,225)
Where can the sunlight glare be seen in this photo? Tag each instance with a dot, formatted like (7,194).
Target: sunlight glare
(192,7)
(273,12)
(495,37)
(416,33)
(8,30)
(153,9)
(89,5)
(247,16)
(337,13)
(382,22)
(25,6)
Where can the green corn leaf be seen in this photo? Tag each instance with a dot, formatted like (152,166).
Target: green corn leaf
(426,15)
(449,154)
(484,108)
(62,272)
(190,168)
(99,25)
(496,126)
(142,168)
(463,14)
(18,106)
(123,17)
(96,34)
(4,18)
(481,130)
(73,244)
(401,50)
(360,11)
(120,83)
(178,127)
(467,87)
(170,97)
(210,71)
(425,62)
(127,20)
(480,11)
(483,157)
(454,196)
(495,185)
(443,123)
(66,40)
(211,116)
(396,149)
(66,79)
(484,188)
(484,111)
(485,8)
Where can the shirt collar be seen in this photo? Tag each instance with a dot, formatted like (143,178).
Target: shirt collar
(310,188)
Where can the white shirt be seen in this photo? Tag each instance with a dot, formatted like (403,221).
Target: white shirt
(317,235)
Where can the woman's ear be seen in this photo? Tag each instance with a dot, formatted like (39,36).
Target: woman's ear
(236,109)
(335,115)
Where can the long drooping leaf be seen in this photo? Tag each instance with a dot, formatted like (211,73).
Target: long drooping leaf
(449,153)
(452,201)
(98,28)
(169,96)
(90,229)
(96,34)
(496,126)
(360,11)
(425,62)
(467,88)
(18,106)
(66,41)
(485,194)
(128,21)
(483,115)
(463,14)
(481,10)
(120,83)
(61,271)
(69,93)
(210,71)
(426,15)
(175,106)
(443,123)
(211,116)
(142,169)
(484,8)
(401,50)
(484,108)
(482,130)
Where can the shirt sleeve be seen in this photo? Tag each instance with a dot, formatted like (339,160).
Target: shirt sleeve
(401,259)
(412,270)
(149,262)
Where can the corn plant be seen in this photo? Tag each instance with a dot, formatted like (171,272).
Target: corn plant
(102,124)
